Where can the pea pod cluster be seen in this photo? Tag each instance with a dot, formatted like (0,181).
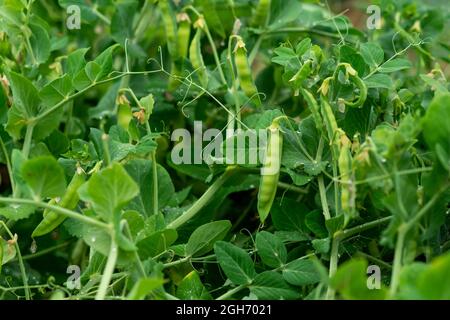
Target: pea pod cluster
(270,171)
(51,220)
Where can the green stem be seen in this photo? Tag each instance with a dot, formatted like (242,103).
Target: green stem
(21,265)
(63,211)
(108,271)
(344,234)
(290,187)
(306,30)
(155,183)
(27,141)
(177,262)
(334,257)
(398,257)
(323,197)
(231,292)
(200,203)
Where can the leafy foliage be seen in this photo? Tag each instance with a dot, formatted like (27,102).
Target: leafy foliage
(362,114)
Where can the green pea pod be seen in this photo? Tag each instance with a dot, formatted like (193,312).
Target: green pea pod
(330,126)
(345,170)
(195,54)
(184,34)
(270,172)
(261,16)
(314,108)
(359,83)
(245,72)
(70,199)
(170,27)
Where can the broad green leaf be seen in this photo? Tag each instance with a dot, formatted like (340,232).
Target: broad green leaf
(143,287)
(156,243)
(56,91)
(379,81)
(301,272)
(109,190)
(26,102)
(121,28)
(235,263)
(95,70)
(436,127)
(17,212)
(372,54)
(316,223)
(270,285)
(434,281)
(76,62)
(351,279)
(395,65)
(45,177)
(289,215)
(203,238)
(271,250)
(40,43)
(192,288)
(142,173)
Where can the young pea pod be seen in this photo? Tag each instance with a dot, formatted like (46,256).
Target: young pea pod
(348,192)
(270,171)
(314,108)
(70,199)
(261,16)
(330,126)
(195,54)
(184,34)
(245,72)
(359,83)
(170,27)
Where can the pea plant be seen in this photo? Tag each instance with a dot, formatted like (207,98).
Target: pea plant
(100,199)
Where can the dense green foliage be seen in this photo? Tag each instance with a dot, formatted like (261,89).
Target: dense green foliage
(360,132)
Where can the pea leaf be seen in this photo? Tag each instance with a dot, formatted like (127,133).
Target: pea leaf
(372,54)
(156,243)
(379,81)
(271,250)
(109,191)
(395,65)
(143,287)
(203,238)
(436,128)
(270,285)
(142,173)
(192,288)
(301,272)
(235,263)
(45,177)
(351,282)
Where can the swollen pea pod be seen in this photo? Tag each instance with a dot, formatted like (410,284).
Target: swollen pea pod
(184,34)
(261,16)
(70,199)
(270,171)
(314,108)
(195,54)
(330,126)
(348,191)
(245,72)
(169,26)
